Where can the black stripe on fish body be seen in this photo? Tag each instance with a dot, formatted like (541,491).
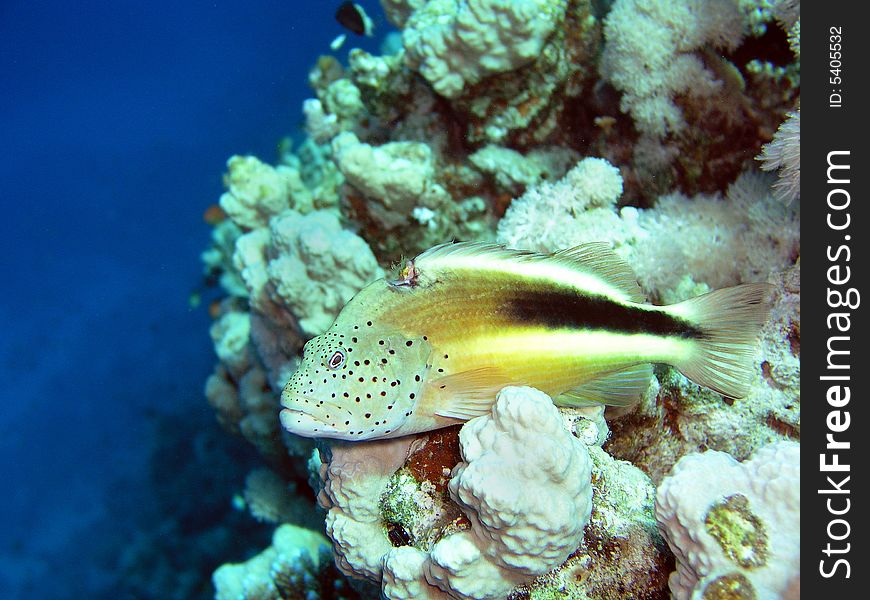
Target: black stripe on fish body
(567,309)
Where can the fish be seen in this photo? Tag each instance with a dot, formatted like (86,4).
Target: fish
(432,345)
(336,44)
(214,215)
(353,17)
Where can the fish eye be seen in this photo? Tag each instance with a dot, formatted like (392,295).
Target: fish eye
(336,360)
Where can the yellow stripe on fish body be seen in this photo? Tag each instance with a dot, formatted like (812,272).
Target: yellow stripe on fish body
(469,319)
(555,361)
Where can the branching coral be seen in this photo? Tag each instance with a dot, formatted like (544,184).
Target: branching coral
(650,55)
(784,154)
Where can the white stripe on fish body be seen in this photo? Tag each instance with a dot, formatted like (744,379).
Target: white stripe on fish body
(471,258)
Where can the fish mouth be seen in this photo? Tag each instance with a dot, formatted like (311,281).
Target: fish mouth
(303,423)
(295,419)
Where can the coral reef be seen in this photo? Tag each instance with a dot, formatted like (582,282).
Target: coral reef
(539,124)
(271,499)
(494,511)
(670,59)
(256,191)
(733,526)
(313,267)
(297,565)
(509,533)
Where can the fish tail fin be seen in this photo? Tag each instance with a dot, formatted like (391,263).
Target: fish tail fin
(729,321)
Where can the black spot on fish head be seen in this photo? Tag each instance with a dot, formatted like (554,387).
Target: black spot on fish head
(355,383)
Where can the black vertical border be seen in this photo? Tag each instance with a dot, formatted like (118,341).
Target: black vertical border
(825,129)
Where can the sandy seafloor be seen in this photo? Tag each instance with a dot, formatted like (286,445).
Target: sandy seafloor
(116,121)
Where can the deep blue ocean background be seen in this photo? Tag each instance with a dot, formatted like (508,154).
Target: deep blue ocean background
(116,119)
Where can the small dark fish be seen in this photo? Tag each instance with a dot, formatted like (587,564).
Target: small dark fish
(352,17)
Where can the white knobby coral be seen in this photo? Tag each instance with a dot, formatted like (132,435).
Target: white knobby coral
(320,126)
(257,191)
(394,177)
(339,107)
(734,526)
(230,335)
(317,266)
(622,554)
(295,554)
(353,477)
(304,265)
(453,43)
(650,55)
(512,170)
(524,485)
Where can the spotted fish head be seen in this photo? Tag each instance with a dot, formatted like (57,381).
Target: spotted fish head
(355,383)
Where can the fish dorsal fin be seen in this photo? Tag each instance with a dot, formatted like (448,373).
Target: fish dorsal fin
(457,252)
(592,267)
(468,394)
(622,388)
(598,258)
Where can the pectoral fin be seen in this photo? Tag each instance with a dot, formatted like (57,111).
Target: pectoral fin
(622,388)
(468,394)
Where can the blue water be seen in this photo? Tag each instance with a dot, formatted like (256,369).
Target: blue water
(116,119)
